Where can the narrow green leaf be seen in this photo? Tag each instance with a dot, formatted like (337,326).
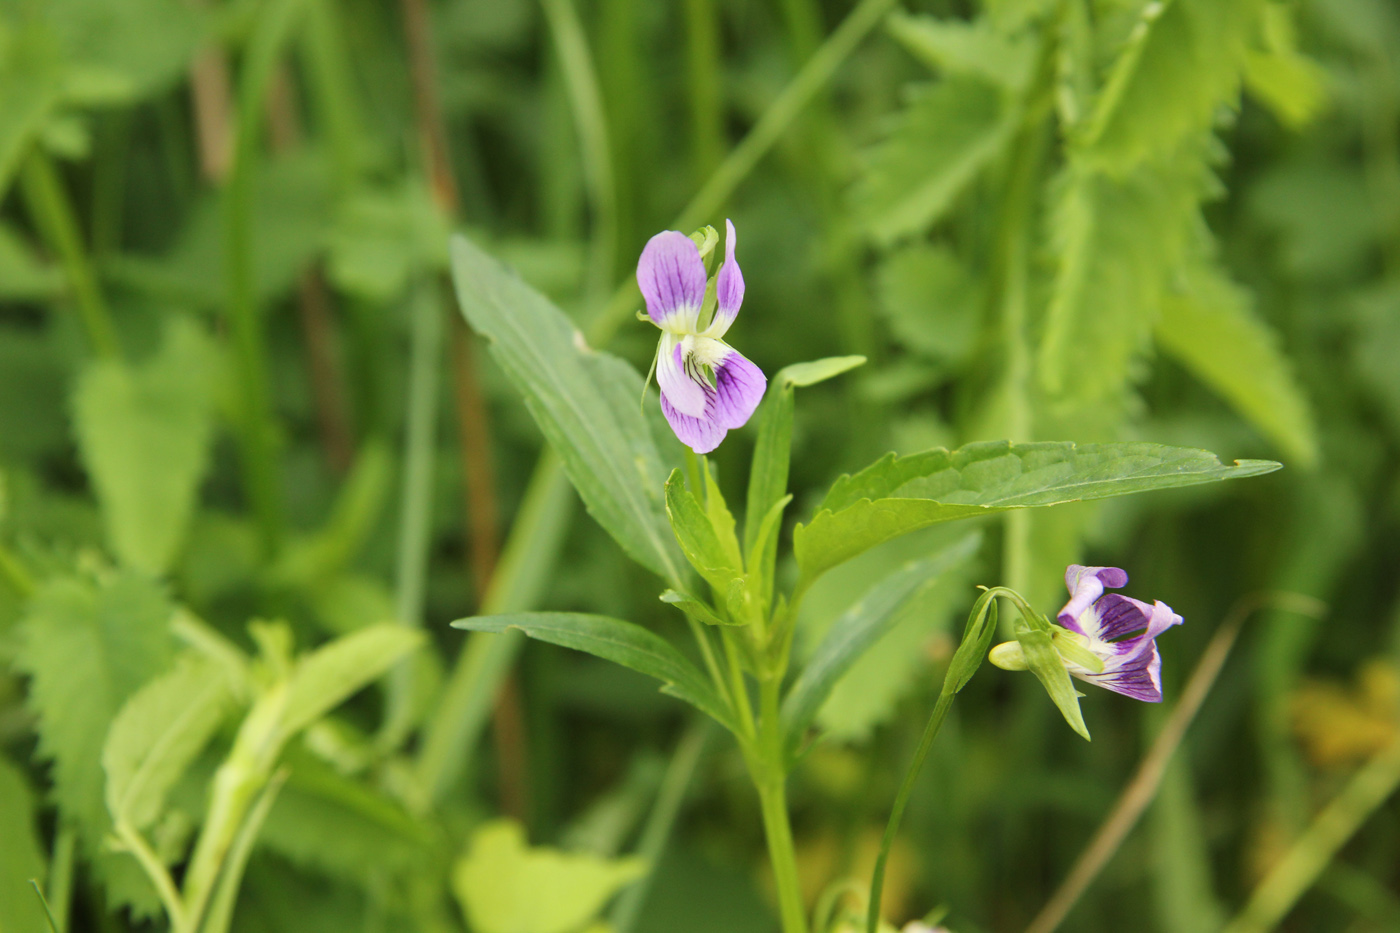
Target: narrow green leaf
(699,540)
(944,136)
(1209,325)
(859,627)
(1181,62)
(614,640)
(505,886)
(20,856)
(31,84)
(144,432)
(584,401)
(326,677)
(158,733)
(768,474)
(896,495)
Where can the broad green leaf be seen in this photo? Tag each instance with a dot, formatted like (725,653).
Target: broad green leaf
(333,825)
(1117,241)
(613,640)
(1209,325)
(933,302)
(125,49)
(1044,661)
(144,432)
(969,48)
(87,647)
(505,886)
(158,733)
(814,371)
(31,76)
(585,402)
(938,143)
(330,674)
(896,495)
(382,238)
(863,624)
(1181,62)
(20,856)
(717,561)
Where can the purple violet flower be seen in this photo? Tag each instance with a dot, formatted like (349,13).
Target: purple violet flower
(707,387)
(1119,630)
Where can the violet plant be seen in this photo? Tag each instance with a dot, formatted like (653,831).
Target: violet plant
(663,504)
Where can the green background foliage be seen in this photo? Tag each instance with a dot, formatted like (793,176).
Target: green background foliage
(256,454)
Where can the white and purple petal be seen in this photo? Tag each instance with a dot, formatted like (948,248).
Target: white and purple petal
(1085,585)
(672,278)
(739,387)
(701,435)
(729,287)
(686,395)
(1137,674)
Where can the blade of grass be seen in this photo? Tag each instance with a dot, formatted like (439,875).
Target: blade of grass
(1301,866)
(1141,790)
(662,820)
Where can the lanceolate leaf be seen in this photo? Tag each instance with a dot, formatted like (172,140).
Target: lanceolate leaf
(942,138)
(859,627)
(585,402)
(157,735)
(1117,241)
(1209,326)
(144,432)
(617,641)
(1181,62)
(897,495)
(330,674)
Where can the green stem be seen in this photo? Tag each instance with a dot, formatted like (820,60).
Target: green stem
(257,431)
(53,215)
(877,880)
(155,870)
(772,796)
(586,101)
(415,519)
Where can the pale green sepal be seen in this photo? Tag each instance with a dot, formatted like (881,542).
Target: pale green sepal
(1044,661)
(981,626)
(1072,647)
(1008,656)
(815,371)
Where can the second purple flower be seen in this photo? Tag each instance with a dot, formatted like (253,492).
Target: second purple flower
(707,387)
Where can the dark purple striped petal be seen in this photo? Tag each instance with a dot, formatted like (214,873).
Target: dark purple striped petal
(739,387)
(1121,616)
(1139,676)
(671,276)
(701,435)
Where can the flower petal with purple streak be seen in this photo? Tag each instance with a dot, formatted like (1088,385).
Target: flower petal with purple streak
(738,388)
(686,396)
(699,434)
(729,287)
(672,278)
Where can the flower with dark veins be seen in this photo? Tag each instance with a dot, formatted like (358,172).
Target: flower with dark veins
(707,387)
(1104,639)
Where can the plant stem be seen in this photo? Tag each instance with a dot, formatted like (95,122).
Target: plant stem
(772,796)
(53,215)
(877,880)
